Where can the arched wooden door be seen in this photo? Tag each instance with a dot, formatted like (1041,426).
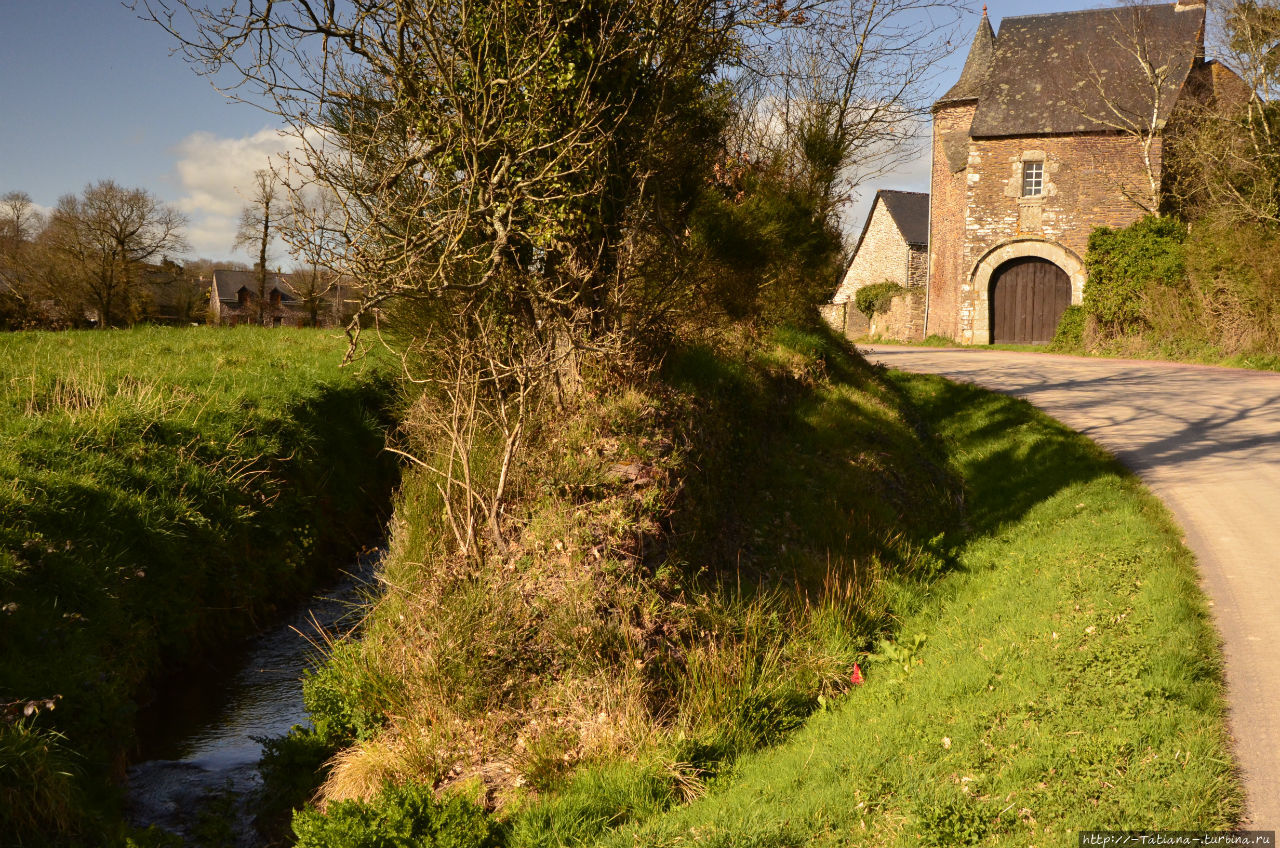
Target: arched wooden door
(1027,299)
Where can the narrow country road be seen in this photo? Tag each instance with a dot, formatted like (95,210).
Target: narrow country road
(1207,442)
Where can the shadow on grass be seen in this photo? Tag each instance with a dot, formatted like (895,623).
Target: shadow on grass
(1013,459)
(807,466)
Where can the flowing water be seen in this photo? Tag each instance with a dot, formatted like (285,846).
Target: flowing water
(197,739)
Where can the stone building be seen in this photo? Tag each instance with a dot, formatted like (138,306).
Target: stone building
(233,300)
(1053,129)
(1040,141)
(893,247)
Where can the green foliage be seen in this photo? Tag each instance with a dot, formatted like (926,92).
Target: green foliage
(876,298)
(292,768)
(767,250)
(408,816)
(346,699)
(1124,264)
(954,821)
(170,488)
(1069,336)
(40,798)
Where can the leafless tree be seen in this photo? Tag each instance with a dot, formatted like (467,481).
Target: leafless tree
(313,231)
(257,228)
(1127,83)
(1226,147)
(105,234)
(20,222)
(839,88)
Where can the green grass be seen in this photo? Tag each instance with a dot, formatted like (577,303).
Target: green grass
(1063,677)
(164,490)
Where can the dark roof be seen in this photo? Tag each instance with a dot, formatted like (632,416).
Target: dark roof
(1045,68)
(976,66)
(909,211)
(228,283)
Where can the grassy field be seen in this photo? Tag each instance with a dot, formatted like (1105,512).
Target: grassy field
(163,490)
(1062,677)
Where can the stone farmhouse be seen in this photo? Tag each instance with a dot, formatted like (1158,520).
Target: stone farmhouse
(233,300)
(1040,141)
(894,248)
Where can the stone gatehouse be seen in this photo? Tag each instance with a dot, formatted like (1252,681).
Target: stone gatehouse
(1041,140)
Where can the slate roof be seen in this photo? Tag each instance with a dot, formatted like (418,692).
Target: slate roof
(228,283)
(976,68)
(1041,67)
(909,211)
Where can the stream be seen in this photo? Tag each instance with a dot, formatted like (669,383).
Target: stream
(197,739)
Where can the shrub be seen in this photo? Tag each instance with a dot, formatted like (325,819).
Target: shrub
(1235,273)
(1070,332)
(408,816)
(877,298)
(1124,263)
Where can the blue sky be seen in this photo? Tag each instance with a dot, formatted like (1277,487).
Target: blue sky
(89,92)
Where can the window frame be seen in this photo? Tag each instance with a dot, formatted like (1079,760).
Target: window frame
(1032,178)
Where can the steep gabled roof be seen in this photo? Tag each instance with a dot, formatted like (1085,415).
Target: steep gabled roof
(909,211)
(976,67)
(227,283)
(1045,69)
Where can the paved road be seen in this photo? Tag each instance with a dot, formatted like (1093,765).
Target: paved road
(1207,442)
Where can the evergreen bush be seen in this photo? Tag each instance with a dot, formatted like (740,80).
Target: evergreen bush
(876,298)
(1124,263)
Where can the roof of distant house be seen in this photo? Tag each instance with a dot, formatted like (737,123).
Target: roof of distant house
(228,283)
(1069,72)
(909,211)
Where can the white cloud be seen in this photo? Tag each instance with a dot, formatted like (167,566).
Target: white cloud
(216,177)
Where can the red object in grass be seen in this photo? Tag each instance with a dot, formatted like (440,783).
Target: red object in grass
(856,677)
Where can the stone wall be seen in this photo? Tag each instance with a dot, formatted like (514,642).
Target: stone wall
(946,218)
(1089,182)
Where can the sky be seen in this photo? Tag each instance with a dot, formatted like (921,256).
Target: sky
(90,92)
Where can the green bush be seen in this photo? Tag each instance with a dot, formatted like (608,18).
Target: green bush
(876,298)
(1122,264)
(1070,333)
(408,816)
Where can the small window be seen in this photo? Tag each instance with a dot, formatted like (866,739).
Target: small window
(1032,179)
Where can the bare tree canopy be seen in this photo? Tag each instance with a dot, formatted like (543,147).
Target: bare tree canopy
(105,234)
(257,228)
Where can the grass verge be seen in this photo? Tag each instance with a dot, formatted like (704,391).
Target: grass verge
(164,489)
(1064,677)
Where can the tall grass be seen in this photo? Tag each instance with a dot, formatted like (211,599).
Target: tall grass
(164,490)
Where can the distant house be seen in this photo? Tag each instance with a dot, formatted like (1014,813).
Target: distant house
(893,247)
(233,299)
(166,294)
(291,300)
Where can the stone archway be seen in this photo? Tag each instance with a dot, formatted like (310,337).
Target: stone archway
(979,329)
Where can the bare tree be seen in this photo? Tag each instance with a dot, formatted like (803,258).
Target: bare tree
(20,222)
(257,229)
(105,234)
(1126,79)
(313,231)
(1226,148)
